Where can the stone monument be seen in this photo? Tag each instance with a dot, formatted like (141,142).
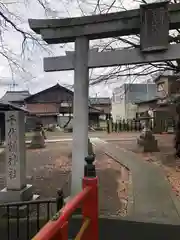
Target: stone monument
(147,140)
(16,188)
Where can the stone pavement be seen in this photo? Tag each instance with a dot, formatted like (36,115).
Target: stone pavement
(91,138)
(151,198)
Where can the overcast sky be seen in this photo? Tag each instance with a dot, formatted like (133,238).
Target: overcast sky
(35,79)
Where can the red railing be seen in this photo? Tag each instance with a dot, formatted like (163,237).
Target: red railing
(87,199)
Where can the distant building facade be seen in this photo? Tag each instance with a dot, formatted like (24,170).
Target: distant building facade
(124,99)
(101,103)
(167,89)
(55,103)
(164,113)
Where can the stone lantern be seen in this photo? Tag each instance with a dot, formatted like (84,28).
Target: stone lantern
(146,139)
(38,139)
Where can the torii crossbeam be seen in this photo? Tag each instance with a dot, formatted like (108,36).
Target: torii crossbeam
(112,58)
(151,21)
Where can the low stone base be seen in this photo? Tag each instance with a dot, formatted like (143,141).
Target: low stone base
(13,196)
(149,146)
(170,130)
(147,141)
(15,211)
(24,194)
(37,141)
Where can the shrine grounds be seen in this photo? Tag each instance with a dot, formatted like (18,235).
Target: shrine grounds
(49,169)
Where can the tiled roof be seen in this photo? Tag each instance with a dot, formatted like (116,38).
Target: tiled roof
(15,96)
(146,101)
(57,86)
(5,106)
(50,108)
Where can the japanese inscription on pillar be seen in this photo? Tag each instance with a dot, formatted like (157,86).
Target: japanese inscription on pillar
(154,27)
(15,150)
(12,146)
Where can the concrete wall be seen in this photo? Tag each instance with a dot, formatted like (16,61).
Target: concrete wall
(118,111)
(130,111)
(123,111)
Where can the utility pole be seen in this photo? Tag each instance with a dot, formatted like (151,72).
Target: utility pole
(147,87)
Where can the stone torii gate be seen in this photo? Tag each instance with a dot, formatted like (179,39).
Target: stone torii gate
(151,21)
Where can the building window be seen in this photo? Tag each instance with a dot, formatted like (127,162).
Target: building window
(66,104)
(118,98)
(174,87)
(160,87)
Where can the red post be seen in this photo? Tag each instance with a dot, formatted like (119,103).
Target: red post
(57,229)
(63,232)
(54,228)
(90,208)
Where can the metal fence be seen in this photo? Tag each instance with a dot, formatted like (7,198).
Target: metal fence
(22,220)
(124,125)
(136,125)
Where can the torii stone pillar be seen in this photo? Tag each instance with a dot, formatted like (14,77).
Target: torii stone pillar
(80,113)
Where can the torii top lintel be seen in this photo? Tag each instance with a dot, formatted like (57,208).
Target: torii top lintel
(96,26)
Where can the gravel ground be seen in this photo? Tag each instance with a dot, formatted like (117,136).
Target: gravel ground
(49,169)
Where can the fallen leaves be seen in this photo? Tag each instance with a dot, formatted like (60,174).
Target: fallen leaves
(172,173)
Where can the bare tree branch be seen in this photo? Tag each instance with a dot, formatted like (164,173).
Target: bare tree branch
(12,21)
(134,42)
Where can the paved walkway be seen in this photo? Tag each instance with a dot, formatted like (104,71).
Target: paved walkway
(91,138)
(152,197)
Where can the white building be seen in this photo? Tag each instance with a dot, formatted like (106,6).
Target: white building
(124,98)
